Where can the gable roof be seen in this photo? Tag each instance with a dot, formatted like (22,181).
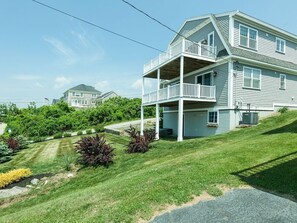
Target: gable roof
(83,87)
(107,94)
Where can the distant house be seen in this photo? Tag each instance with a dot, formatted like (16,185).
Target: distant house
(106,96)
(81,96)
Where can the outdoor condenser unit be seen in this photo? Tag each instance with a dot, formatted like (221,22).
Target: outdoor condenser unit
(250,118)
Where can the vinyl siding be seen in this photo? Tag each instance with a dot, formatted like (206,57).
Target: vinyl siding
(223,21)
(267,44)
(269,93)
(188,26)
(202,34)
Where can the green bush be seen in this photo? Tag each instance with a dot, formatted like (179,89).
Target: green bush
(79,133)
(58,135)
(67,134)
(22,141)
(99,128)
(5,152)
(89,131)
(94,151)
(38,139)
(283,110)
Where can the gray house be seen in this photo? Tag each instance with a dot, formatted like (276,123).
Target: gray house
(108,95)
(81,96)
(219,68)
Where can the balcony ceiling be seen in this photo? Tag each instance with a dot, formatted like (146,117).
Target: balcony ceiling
(172,69)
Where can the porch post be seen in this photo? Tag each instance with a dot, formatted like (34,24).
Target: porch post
(142,110)
(158,105)
(181,102)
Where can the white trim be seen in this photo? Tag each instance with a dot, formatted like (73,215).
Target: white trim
(266,25)
(285,82)
(212,110)
(230,85)
(220,34)
(248,37)
(281,40)
(283,105)
(199,109)
(278,68)
(252,68)
(208,42)
(231,30)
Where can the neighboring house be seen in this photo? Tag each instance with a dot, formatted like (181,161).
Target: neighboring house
(106,96)
(81,96)
(218,68)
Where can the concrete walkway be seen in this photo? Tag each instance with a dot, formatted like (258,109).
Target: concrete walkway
(239,205)
(2,128)
(117,128)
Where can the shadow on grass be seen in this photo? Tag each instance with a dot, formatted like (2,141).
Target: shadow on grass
(290,128)
(277,176)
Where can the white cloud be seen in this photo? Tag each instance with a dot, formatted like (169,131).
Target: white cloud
(62,81)
(37,84)
(24,77)
(63,50)
(102,86)
(138,84)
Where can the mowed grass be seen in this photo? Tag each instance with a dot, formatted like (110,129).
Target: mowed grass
(137,185)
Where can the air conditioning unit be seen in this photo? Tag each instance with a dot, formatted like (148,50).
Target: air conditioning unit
(250,118)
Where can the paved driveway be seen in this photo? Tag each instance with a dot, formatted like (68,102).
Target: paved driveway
(239,205)
(2,127)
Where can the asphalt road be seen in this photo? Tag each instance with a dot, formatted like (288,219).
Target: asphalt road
(239,205)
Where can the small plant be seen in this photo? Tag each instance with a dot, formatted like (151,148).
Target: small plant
(138,143)
(22,142)
(89,131)
(283,110)
(94,151)
(79,133)
(13,176)
(67,162)
(99,128)
(58,135)
(67,134)
(38,139)
(5,152)
(13,144)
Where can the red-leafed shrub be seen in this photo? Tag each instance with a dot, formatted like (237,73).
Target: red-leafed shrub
(13,144)
(94,151)
(138,143)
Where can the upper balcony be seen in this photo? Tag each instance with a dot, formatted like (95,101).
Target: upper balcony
(197,55)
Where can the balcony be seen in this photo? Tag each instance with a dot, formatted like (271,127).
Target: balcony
(192,50)
(192,92)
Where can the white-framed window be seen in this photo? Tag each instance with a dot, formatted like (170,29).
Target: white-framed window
(210,40)
(94,95)
(248,37)
(282,81)
(213,117)
(205,79)
(251,78)
(280,45)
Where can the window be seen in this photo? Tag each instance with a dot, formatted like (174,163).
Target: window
(251,78)
(211,43)
(213,117)
(248,37)
(282,81)
(94,95)
(280,45)
(205,79)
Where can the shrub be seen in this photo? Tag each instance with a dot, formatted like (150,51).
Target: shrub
(67,134)
(22,141)
(99,128)
(283,110)
(89,131)
(79,133)
(94,151)
(38,139)
(67,160)
(58,135)
(13,176)
(5,152)
(138,143)
(12,143)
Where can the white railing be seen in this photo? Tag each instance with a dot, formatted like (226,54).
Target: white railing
(195,91)
(183,46)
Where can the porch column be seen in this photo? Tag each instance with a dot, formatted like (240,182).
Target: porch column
(142,110)
(158,106)
(181,102)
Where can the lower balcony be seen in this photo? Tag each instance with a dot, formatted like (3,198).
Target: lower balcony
(192,92)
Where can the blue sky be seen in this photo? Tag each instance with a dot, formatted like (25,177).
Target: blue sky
(43,53)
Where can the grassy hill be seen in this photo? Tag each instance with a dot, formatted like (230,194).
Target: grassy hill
(136,185)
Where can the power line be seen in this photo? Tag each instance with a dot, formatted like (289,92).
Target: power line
(97,26)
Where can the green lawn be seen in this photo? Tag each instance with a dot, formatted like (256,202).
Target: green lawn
(171,173)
